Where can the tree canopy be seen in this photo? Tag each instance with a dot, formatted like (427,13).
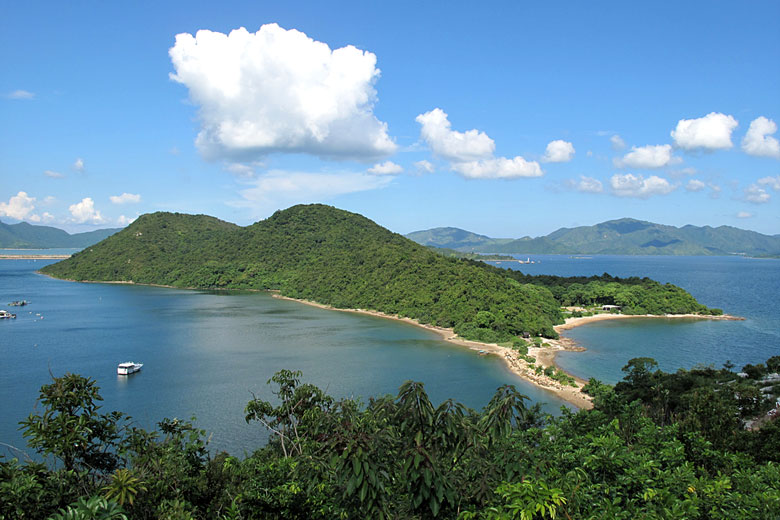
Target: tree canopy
(656,446)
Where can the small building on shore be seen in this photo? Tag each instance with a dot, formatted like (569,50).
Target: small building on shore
(610,308)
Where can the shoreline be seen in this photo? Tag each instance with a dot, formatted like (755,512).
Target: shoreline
(34,257)
(544,355)
(511,358)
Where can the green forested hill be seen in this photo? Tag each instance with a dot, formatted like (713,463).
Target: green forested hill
(624,237)
(334,257)
(29,236)
(318,253)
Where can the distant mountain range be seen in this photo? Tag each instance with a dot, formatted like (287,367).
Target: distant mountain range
(616,237)
(29,236)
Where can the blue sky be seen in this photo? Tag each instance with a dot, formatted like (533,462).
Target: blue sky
(503,118)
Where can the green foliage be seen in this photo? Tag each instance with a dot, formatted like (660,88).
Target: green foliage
(123,487)
(655,446)
(526,500)
(93,508)
(71,427)
(633,295)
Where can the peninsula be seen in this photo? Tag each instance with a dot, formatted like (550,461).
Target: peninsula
(343,260)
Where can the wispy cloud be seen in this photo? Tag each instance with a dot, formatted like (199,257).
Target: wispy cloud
(386,168)
(278,189)
(585,185)
(755,194)
(125,198)
(20,94)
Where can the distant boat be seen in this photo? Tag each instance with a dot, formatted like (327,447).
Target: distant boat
(21,303)
(128,367)
(6,315)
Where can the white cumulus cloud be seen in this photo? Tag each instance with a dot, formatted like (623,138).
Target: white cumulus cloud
(46,217)
(52,174)
(635,185)
(278,90)
(84,212)
(125,198)
(650,156)
(498,168)
(558,151)
(18,206)
(125,221)
(449,144)
(471,153)
(756,194)
(772,182)
(759,141)
(386,168)
(78,165)
(744,214)
(711,132)
(695,185)
(586,185)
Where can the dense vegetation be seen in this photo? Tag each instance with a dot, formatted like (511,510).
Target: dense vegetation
(655,446)
(633,295)
(338,258)
(471,256)
(615,237)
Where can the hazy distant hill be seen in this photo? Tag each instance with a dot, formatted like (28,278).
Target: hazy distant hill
(622,237)
(445,237)
(29,236)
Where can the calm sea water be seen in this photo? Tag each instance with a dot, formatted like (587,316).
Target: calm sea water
(204,354)
(740,286)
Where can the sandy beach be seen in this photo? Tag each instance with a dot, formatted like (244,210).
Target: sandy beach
(544,355)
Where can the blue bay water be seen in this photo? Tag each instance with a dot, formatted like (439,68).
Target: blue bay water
(204,353)
(745,287)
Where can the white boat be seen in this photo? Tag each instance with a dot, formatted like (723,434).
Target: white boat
(128,367)
(6,315)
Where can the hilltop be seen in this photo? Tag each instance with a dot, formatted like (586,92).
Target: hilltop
(623,236)
(342,259)
(30,236)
